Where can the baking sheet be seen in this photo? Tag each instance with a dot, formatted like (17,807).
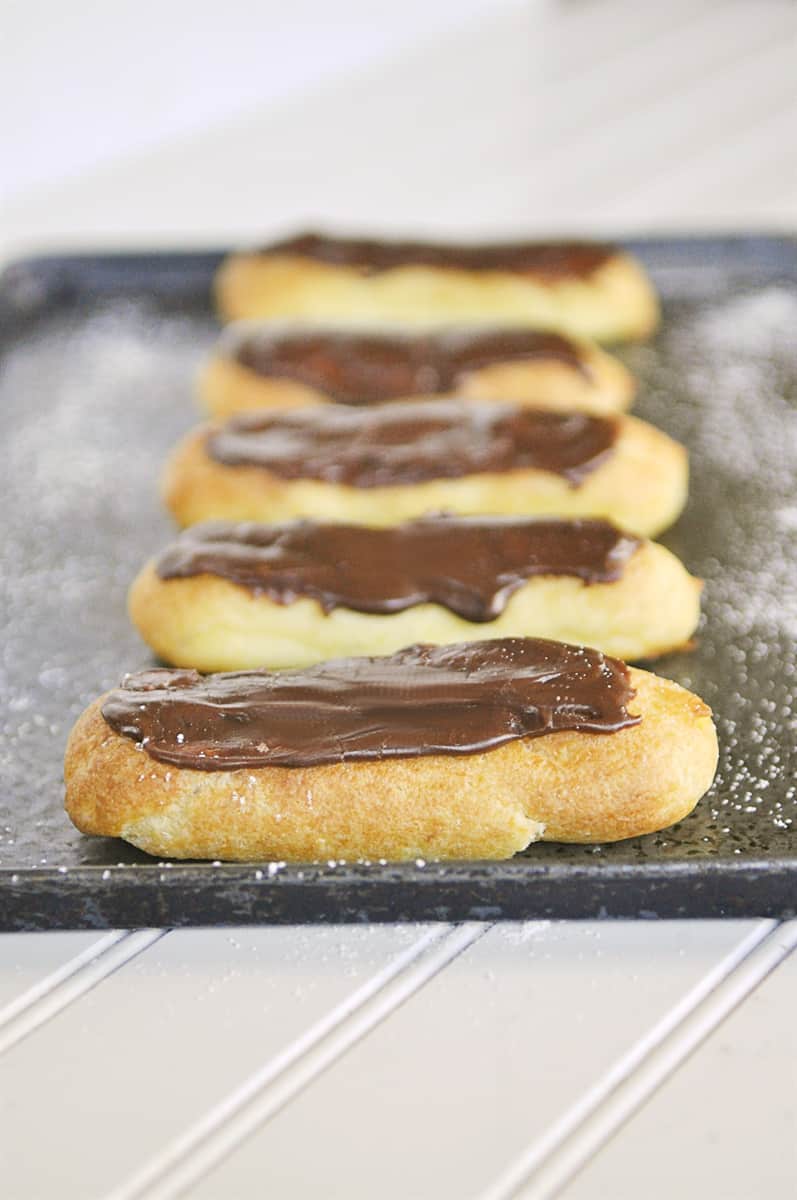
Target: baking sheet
(98,355)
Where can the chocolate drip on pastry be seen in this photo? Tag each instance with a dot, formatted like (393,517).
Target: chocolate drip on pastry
(546,260)
(398,443)
(424,700)
(367,368)
(470,565)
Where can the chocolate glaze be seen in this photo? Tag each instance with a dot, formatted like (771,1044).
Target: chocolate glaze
(424,700)
(403,443)
(545,260)
(366,368)
(471,565)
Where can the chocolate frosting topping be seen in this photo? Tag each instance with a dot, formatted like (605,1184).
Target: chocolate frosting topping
(366,368)
(471,565)
(547,260)
(424,700)
(402,443)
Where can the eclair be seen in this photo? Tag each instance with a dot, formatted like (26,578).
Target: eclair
(227,597)
(272,365)
(383,465)
(464,751)
(587,289)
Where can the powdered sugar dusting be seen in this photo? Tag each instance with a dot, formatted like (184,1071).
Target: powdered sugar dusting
(81,397)
(734,406)
(93,401)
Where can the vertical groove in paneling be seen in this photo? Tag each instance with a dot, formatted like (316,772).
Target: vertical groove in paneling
(484,1059)
(546,1167)
(33,963)
(276,1082)
(71,983)
(727,1116)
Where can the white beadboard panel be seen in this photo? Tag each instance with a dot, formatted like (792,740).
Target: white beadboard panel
(586,36)
(481,130)
(42,1003)
(573,122)
(546,1165)
(750,173)
(112,104)
(31,963)
(112,1078)
(654,148)
(725,1124)
(435,1102)
(273,1085)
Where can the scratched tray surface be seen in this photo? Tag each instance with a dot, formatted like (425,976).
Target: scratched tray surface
(96,381)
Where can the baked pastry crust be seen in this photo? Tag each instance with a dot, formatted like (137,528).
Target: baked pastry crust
(642,487)
(605,386)
(615,302)
(566,786)
(213,624)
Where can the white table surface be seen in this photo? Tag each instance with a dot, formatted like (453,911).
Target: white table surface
(584,1060)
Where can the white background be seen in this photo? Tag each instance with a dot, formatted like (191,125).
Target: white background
(179,123)
(91,81)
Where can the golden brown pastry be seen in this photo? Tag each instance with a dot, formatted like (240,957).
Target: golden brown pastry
(586,289)
(468,751)
(383,465)
(227,597)
(273,365)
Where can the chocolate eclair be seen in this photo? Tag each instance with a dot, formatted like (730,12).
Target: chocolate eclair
(463,751)
(382,465)
(283,366)
(587,289)
(230,596)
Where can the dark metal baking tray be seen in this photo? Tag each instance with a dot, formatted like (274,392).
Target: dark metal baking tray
(96,377)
